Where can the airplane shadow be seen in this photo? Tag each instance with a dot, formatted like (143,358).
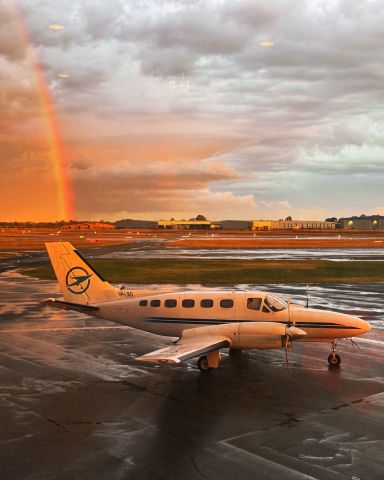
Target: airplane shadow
(198,409)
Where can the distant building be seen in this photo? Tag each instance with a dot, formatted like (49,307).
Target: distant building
(88,226)
(365,222)
(236,224)
(262,225)
(129,223)
(185,224)
(292,225)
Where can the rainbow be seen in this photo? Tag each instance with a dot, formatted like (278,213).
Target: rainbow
(58,154)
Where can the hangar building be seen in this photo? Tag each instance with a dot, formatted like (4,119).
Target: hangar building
(365,222)
(187,225)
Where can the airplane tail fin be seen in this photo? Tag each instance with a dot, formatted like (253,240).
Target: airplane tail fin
(79,282)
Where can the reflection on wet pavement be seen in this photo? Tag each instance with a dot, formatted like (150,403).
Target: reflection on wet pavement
(249,254)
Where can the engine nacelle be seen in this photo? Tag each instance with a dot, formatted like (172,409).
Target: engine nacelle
(248,334)
(260,335)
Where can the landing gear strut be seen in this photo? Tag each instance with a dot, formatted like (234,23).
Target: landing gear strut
(334,359)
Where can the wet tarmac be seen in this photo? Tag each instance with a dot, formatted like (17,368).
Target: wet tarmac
(248,254)
(26,259)
(74,403)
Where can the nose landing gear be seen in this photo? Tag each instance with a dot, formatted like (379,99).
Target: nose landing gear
(334,359)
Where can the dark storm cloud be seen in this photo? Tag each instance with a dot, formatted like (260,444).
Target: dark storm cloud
(148,188)
(256,15)
(156,177)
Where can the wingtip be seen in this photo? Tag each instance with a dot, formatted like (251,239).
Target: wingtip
(144,358)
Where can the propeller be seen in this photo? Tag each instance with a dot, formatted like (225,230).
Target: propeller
(291,333)
(288,337)
(290,322)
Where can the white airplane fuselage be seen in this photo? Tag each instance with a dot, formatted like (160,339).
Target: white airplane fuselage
(164,314)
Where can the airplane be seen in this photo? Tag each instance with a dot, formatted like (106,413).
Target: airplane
(204,321)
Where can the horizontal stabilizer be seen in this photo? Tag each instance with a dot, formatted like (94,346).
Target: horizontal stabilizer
(52,302)
(185,350)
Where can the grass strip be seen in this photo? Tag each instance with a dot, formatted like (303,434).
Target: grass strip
(228,272)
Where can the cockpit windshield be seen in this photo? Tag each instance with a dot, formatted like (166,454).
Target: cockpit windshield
(275,304)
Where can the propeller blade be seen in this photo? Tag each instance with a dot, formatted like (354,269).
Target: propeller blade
(288,347)
(286,351)
(291,333)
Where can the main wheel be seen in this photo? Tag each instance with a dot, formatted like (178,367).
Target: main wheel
(334,361)
(203,364)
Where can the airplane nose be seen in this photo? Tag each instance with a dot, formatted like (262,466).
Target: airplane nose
(363,326)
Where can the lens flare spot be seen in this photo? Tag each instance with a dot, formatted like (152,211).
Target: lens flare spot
(56,26)
(266,44)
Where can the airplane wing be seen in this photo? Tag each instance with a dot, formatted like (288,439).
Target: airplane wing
(185,349)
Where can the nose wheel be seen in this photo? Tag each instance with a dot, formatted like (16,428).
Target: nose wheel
(334,359)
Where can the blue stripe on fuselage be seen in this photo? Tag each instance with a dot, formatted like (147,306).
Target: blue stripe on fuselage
(206,321)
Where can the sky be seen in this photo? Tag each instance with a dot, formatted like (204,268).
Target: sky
(231,109)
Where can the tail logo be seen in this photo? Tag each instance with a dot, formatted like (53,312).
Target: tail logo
(78,280)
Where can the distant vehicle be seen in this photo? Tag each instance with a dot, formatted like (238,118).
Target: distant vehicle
(204,321)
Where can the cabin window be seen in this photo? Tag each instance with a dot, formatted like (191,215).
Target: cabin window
(206,303)
(254,303)
(170,303)
(143,303)
(226,303)
(265,309)
(188,303)
(155,303)
(274,303)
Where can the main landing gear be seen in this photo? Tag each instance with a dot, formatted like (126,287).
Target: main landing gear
(209,361)
(334,359)
(202,364)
